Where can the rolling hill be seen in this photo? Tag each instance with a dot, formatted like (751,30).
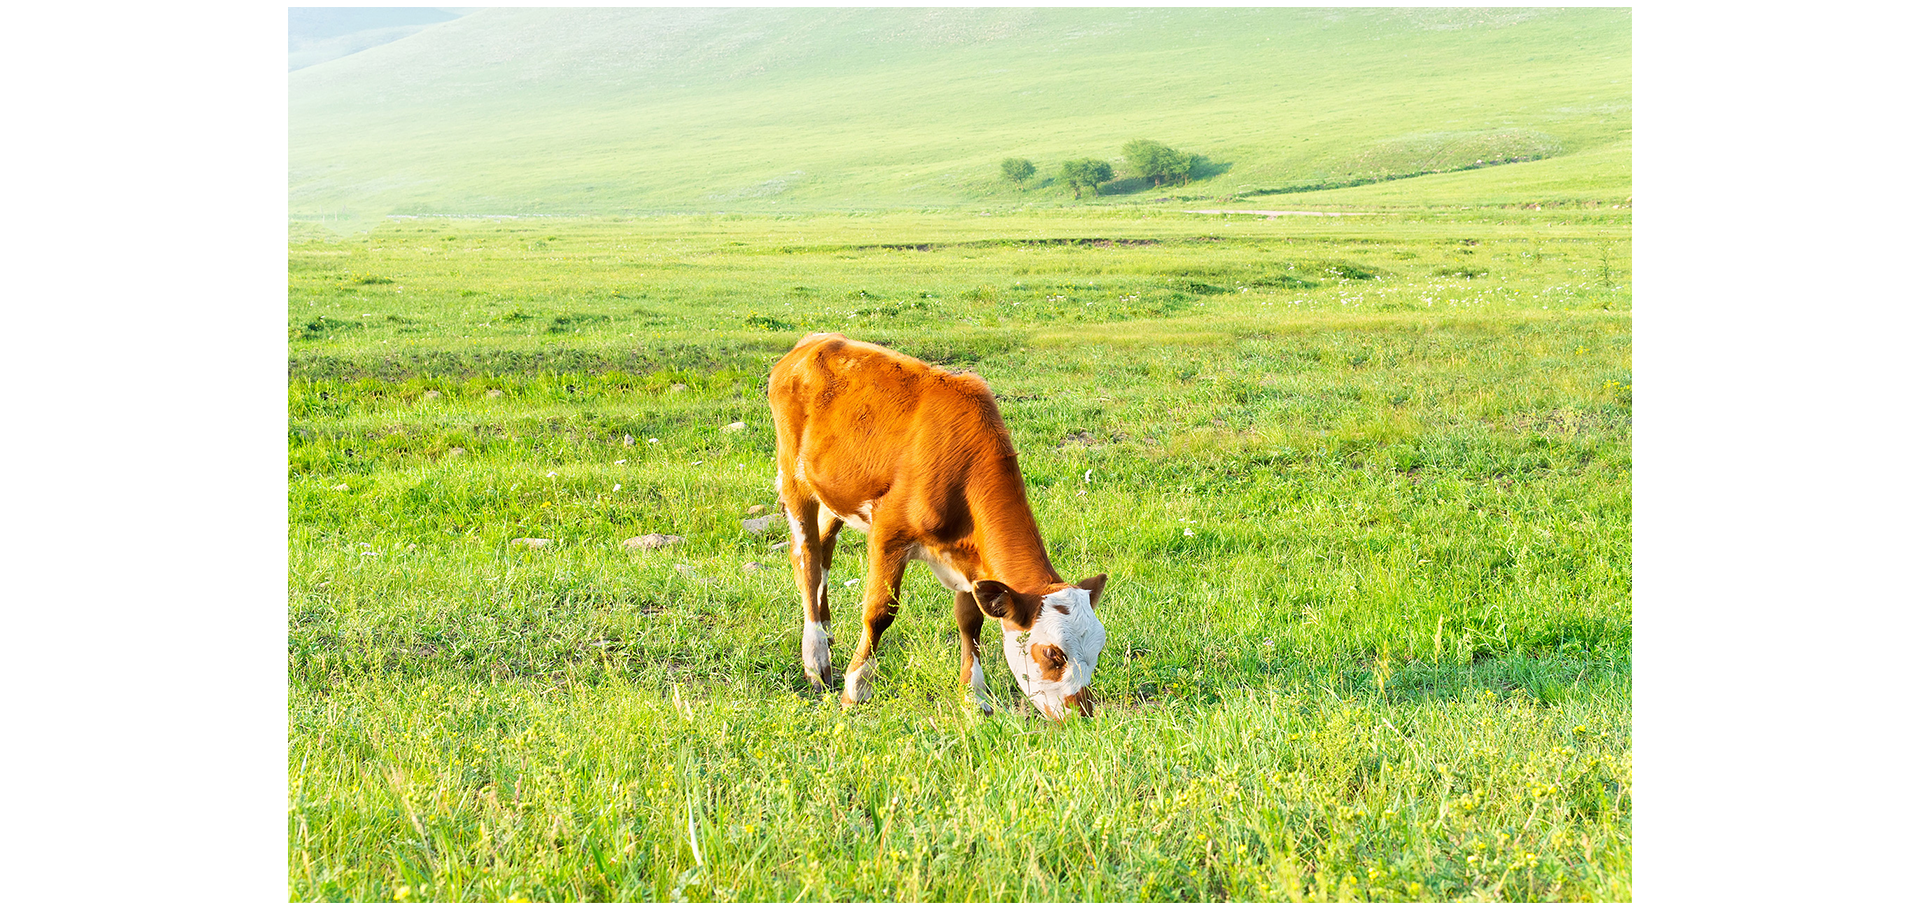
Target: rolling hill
(316,34)
(623,111)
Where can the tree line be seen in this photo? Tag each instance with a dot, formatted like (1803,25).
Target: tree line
(1149,159)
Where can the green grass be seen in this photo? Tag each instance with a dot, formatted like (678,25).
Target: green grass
(1363,486)
(622,111)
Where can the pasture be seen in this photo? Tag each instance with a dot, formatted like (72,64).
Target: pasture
(631,111)
(1362,486)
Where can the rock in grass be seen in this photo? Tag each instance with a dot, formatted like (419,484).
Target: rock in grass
(679,387)
(733,427)
(627,441)
(779,545)
(756,509)
(456,452)
(756,524)
(430,395)
(652,541)
(752,566)
(343,487)
(495,392)
(530,542)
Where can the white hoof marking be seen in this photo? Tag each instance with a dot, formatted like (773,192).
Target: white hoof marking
(859,684)
(815,652)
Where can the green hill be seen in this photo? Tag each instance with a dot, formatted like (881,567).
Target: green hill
(618,111)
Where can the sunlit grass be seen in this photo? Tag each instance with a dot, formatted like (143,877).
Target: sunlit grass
(1370,539)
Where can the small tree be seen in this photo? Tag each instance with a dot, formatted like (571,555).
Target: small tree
(1016,169)
(1086,173)
(1156,161)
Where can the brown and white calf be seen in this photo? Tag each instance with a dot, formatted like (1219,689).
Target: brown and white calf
(919,458)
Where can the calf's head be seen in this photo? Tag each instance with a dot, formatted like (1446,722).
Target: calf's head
(1052,641)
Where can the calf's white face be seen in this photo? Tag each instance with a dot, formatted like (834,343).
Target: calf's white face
(1055,659)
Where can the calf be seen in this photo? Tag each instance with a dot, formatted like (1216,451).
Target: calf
(919,459)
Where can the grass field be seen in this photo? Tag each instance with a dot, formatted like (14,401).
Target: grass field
(642,111)
(1363,486)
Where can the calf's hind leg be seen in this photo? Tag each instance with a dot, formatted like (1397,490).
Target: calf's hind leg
(888,562)
(814,531)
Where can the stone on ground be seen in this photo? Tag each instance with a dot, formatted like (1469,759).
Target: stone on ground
(652,541)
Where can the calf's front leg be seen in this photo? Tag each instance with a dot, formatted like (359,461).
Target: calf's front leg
(966,613)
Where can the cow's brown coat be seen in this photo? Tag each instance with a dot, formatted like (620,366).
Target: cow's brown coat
(924,457)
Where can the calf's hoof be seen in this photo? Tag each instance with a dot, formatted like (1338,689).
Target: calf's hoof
(816,654)
(859,685)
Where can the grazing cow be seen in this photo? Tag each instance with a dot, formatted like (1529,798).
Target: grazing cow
(919,459)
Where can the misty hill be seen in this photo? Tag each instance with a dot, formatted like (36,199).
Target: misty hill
(609,111)
(316,34)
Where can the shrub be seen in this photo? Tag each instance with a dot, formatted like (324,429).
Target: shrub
(1087,173)
(1158,162)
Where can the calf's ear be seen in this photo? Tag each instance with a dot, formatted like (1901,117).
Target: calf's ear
(997,600)
(1093,585)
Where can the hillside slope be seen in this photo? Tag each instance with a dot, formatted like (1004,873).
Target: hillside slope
(316,34)
(615,111)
